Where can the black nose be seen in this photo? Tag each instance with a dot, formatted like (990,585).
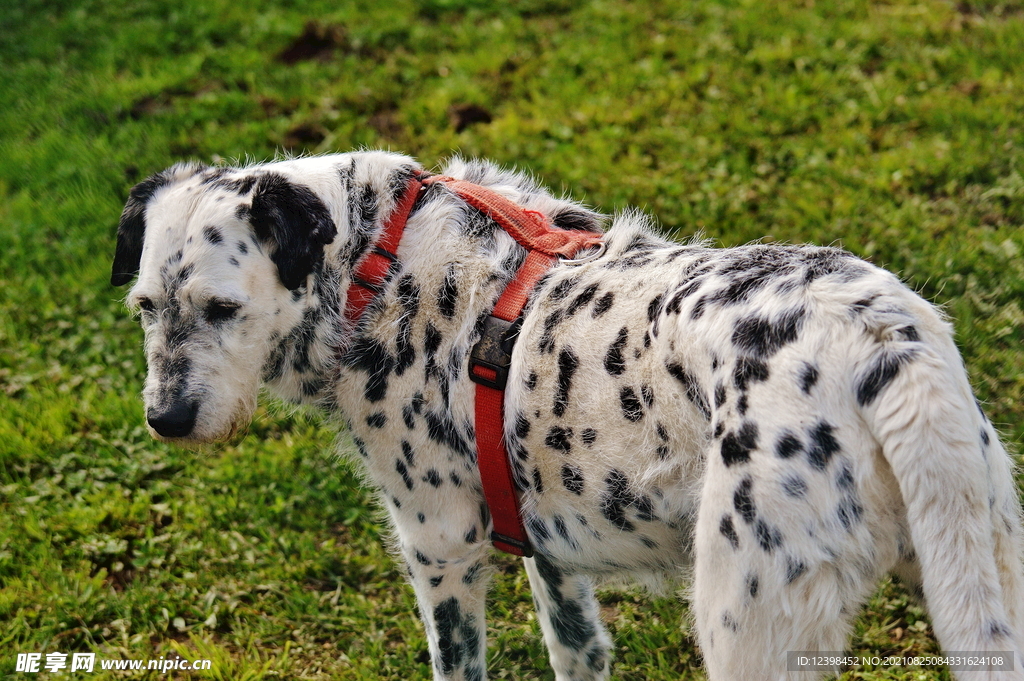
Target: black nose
(174,420)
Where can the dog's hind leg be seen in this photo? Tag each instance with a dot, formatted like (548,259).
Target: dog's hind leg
(761,589)
(578,645)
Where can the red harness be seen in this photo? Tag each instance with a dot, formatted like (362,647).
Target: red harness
(491,356)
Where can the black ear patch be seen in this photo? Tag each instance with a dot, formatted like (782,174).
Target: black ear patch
(296,221)
(132,229)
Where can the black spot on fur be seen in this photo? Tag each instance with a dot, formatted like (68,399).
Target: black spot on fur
(572,479)
(377,420)
(431,342)
(614,363)
(409,298)
(768,537)
(408,418)
(588,436)
(448,296)
(729,531)
(698,308)
(822,445)
(568,362)
(985,440)
(652,308)
(794,486)
(562,289)
(763,337)
(662,432)
(562,531)
(844,478)
(808,378)
(794,568)
(537,526)
(581,300)
(787,445)
(749,370)
(472,572)
(909,333)
(743,500)
(436,581)
(574,219)
(522,426)
(212,235)
(753,584)
(694,392)
(433,477)
(719,395)
(824,261)
(999,630)
(242,248)
(538,483)
(443,430)
(849,512)
(603,304)
(547,337)
(632,409)
(367,354)
(885,368)
(531,381)
(404,472)
(737,446)
(559,438)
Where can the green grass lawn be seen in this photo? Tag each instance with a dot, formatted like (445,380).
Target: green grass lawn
(895,129)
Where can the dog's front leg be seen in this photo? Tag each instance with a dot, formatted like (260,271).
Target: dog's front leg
(578,645)
(448,569)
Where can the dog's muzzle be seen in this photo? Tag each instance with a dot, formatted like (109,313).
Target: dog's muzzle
(174,420)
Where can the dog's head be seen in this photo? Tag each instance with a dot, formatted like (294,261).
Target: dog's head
(223,260)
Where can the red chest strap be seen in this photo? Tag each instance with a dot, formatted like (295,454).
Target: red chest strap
(491,356)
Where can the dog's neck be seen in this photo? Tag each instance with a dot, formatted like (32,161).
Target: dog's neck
(452,264)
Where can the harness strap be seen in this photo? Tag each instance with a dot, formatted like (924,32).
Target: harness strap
(370,273)
(492,355)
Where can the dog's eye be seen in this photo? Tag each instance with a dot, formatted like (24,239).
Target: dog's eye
(146,305)
(220,310)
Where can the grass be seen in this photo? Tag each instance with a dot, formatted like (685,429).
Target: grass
(894,128)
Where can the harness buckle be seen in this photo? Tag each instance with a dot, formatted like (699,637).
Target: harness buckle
(492,355)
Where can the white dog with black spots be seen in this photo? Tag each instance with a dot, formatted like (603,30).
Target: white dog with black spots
(787,424)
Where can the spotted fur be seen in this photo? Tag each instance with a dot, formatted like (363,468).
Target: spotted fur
(786,423)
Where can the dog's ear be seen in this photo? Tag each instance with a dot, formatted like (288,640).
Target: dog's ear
(295,221)
(132,229)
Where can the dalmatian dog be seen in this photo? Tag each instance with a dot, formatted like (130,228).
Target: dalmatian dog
(783,425)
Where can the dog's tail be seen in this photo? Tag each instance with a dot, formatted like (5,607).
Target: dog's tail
(956,480)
